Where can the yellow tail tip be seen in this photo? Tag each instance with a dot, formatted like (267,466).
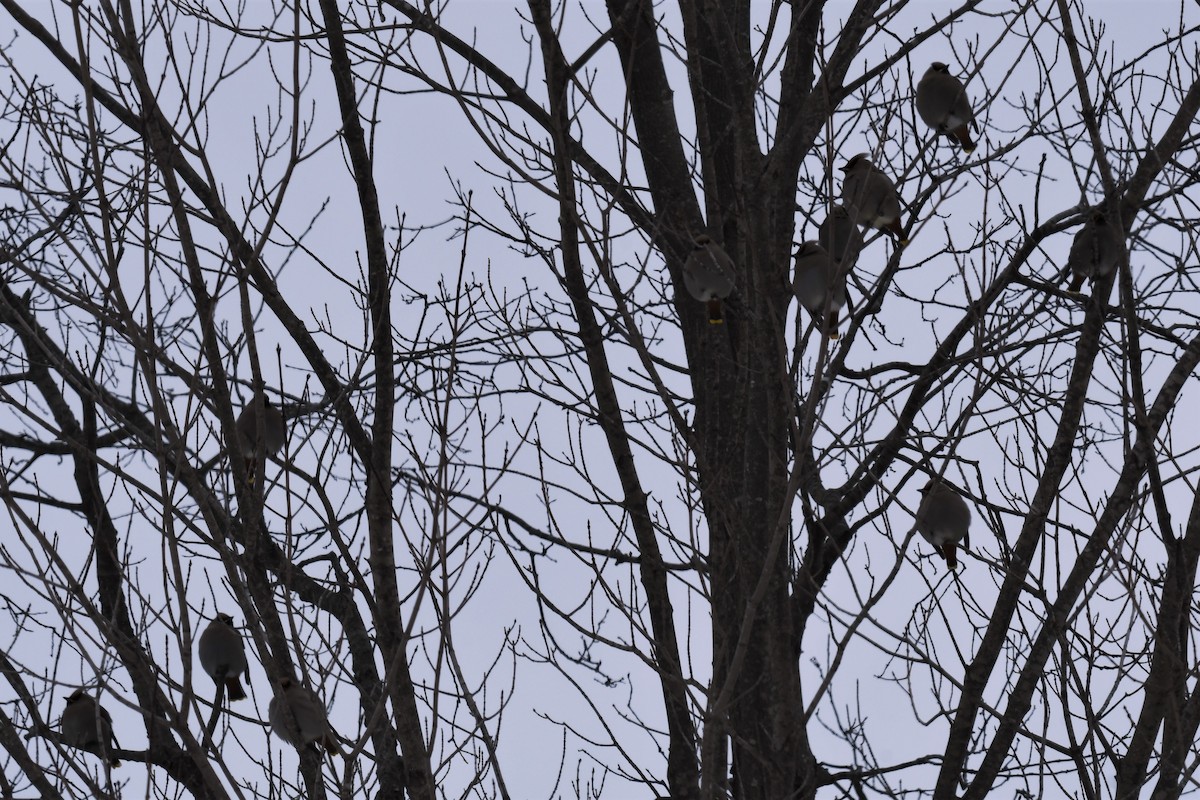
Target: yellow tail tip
(969,150)
(904,242)
(716,322)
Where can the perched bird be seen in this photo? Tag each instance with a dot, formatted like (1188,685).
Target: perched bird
(943,103)
(873,196)
(298,717)
(820,286)
(1096,250)
(87,725)
(708,275)
(223,654)
(943,519)
(273,433)
(840,236)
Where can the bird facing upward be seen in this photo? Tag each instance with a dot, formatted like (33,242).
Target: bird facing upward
(223,654)
(708,275)
(944,519)
(943,104)
(873,196)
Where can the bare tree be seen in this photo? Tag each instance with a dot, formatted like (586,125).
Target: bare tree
(539,525)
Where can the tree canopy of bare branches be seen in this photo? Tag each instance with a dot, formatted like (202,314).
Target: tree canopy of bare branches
(567,503)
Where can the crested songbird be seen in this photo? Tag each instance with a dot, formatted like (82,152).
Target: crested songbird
(223,654)
(708,275)
(872,194)
(943,518)
(943,104)
(298,717)
(819,283)
(88,725)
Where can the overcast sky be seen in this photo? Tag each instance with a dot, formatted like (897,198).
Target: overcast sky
(424,148)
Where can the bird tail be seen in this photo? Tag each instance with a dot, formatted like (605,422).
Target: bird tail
(106,751)
(251,469)
(832,326)
(715,316)
(330,742)
(964,138)
(897,230)
(233,687)
(949,552)
(1076,283)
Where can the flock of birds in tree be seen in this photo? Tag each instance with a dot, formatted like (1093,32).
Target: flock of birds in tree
(869,199)
(296,713)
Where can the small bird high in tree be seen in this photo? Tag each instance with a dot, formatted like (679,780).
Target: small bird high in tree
(1096,250)
(943,104)
(944,519)
(87,725)
(820,286)
(299,717)
(708,275)
(840,236)
(872,195)
(273,434)
(223,654)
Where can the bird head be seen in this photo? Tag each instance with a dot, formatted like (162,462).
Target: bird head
(840,212)
(859,161)
(285,683)
(925,489)
(938,66)
(75,696)
(701,241)
(228,620)
(808,248)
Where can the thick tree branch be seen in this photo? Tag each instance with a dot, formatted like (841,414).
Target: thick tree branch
(682,774)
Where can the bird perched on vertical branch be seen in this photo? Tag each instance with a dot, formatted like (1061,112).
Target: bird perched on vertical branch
(840,236)
(87,725)
(708,275)
(223,654)
(820,286)
(1096,250)
(298,717)
(943,518)
(250,443)
(943,104)
(873,197)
